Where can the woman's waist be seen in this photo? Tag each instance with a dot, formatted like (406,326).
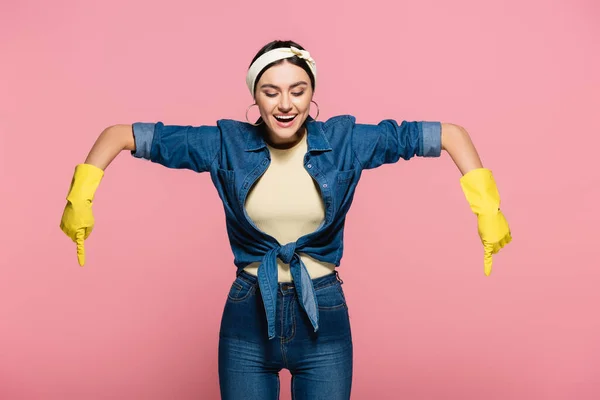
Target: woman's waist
(315,268)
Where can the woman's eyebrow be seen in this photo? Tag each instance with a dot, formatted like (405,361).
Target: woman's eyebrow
(269,85)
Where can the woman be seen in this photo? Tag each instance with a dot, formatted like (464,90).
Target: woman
(287,183)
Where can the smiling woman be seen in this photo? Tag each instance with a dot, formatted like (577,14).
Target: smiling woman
(287,183)
(283,91)
(284,106)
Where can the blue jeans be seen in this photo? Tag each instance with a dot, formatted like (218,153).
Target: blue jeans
(320,362)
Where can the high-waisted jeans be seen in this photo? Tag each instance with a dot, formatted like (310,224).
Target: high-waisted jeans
(320,362)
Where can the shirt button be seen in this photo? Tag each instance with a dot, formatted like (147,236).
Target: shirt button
(264,162)
(325,185)
(309,166)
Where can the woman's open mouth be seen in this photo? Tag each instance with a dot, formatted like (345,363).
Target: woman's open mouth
(285,121)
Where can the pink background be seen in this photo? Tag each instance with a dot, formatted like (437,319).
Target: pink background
(141,320)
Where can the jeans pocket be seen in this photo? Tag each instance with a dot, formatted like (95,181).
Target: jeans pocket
(240,290)
(331,297)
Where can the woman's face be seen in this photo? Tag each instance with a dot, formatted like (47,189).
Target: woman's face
(283,96)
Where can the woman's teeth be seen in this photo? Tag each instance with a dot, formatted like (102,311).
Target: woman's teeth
(285,118)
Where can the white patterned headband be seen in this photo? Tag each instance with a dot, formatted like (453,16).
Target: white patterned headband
(276,55)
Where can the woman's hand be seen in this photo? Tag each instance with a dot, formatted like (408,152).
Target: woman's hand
(77,221)
(482,194)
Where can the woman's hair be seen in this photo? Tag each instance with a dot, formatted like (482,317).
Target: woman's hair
(276,44)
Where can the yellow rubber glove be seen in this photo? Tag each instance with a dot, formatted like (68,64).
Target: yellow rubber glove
(77,219)
(483,197)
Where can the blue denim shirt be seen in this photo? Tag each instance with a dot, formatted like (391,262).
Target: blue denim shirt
(235,154)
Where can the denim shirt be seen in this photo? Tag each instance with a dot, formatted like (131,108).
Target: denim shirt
(235,154)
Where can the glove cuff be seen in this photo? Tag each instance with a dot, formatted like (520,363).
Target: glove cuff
(481,191)
(86,179)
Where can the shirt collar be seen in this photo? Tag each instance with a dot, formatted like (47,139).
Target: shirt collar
(316,137)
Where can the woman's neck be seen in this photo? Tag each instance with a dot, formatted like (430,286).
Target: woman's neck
(291,142)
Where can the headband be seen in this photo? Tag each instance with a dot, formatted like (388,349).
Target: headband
(276,55)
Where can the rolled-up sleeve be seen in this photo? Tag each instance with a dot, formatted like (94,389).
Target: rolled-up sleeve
(143,134)
(388,141)
(174,146)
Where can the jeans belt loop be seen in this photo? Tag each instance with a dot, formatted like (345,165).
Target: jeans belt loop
(337,276)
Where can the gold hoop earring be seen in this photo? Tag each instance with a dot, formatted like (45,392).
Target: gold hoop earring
(247,120)
(315,118)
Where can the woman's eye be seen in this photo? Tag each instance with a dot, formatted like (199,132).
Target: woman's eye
(298,94)
(270,94)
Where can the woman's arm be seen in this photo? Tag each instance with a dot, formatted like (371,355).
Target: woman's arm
(457,143)
(480,191)
(77,220)
(109,144)
(189,147)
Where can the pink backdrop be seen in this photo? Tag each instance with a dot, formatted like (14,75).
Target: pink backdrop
(141,320)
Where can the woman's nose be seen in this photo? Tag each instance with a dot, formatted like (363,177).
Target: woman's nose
(285,104)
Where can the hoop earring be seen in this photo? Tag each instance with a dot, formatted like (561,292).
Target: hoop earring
(248,109)
(312,101)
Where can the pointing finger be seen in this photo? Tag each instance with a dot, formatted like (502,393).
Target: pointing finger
(487,258)
(79,238)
